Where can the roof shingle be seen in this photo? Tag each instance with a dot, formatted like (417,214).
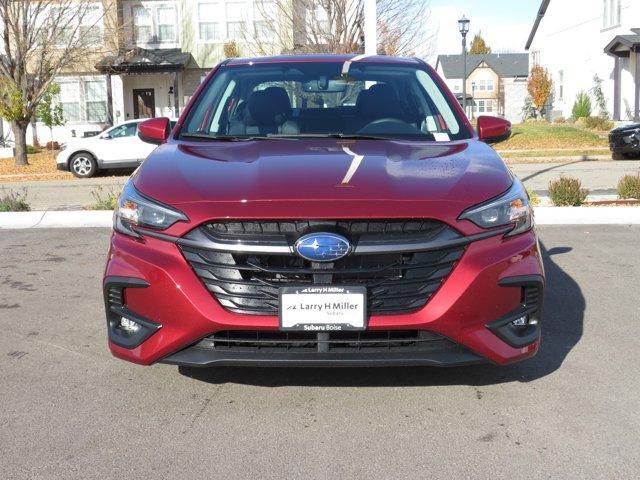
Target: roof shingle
(506,65)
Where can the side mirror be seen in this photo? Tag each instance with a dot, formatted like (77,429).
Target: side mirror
(154,130)
(493,129)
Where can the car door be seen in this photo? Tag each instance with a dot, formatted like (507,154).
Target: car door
(118,145)
(140,149)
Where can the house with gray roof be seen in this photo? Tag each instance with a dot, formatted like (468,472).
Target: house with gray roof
(496,83)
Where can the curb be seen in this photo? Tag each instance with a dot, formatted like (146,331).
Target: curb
(104,218)
(55,219)
(587,215)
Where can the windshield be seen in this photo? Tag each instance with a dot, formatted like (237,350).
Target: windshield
(298,99)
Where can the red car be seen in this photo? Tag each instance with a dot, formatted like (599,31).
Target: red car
(323,210)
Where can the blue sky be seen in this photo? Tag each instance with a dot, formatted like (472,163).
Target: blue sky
(505,24)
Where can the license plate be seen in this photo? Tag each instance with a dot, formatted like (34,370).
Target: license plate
(323,309)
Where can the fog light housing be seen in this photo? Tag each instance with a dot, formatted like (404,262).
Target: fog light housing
(126,329)
(129,325)
(521,322)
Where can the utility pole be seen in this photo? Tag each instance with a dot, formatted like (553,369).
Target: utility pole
(370,28)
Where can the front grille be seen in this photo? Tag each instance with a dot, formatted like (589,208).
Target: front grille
(249,283)
(334,342)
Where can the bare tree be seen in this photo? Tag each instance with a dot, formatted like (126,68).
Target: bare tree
(41,39)
(337,26)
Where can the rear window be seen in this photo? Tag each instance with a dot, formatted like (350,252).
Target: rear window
(318,99)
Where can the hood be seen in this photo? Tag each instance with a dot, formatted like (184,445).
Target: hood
(322,177)
(626,128)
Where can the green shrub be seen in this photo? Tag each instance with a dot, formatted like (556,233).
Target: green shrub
(567,192)
(103,200)
(582,106)
(14,201)
(31,150)
(629,187)
(598,123)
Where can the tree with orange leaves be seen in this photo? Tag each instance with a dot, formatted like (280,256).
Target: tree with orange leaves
(540,87)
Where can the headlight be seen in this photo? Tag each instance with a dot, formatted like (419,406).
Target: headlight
(134,209)
(511,208)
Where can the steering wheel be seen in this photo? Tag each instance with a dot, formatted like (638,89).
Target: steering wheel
(389,125)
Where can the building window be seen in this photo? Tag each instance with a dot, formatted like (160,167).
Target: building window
(208,27)
(483,106)
(489,106)
(166,21)
(91,25)
(235,20)
(142,25)
(155,24)
(490,85)
(482,85)
(535,58)
(561,85)
(83,100)
(96,100)
(235,30)
(611,13)
(85,25)
(264,30)
(70,100)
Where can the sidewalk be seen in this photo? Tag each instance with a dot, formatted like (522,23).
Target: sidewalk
(65,194)
(600,177)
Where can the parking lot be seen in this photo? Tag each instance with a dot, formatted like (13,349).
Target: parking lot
(70,410)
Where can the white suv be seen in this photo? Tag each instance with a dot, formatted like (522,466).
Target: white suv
(116,147)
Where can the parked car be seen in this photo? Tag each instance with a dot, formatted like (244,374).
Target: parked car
(116,147)
(283,223)
(625,141)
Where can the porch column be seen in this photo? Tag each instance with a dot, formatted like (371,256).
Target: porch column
(636,114)
(176,107)
(617,89)
(109,101)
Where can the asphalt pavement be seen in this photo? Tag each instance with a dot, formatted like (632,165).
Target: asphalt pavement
(601,177)
(70,410)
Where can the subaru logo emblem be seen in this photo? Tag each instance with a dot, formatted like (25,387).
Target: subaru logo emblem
(322,247)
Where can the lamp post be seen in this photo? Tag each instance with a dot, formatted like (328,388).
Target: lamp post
(473,99)
(463,27)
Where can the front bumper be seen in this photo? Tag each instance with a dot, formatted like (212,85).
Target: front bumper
(62,161)
(484,288)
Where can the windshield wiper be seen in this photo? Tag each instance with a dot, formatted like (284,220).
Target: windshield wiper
(340,136)
(227,138)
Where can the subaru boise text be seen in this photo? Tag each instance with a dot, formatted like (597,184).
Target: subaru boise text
(323,210)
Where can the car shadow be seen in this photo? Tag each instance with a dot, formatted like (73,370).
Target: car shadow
(562,328)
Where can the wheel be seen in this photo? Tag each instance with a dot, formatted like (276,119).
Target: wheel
(632,156)
(83,165)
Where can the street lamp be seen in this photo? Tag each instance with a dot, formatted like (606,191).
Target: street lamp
(463,27)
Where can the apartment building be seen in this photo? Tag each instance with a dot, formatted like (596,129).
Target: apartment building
(601,37)
(163,49)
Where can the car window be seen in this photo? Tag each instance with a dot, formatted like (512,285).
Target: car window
(317,98)
(126,130)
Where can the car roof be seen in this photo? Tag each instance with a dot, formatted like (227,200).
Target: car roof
(316,58)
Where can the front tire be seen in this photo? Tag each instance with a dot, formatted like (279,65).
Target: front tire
(83,165)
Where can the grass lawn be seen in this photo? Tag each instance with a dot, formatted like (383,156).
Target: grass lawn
(42,166)
(547,136)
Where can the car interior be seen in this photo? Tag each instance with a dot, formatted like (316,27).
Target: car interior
(386,105)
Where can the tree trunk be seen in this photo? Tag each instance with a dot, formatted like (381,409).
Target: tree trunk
(20,133)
